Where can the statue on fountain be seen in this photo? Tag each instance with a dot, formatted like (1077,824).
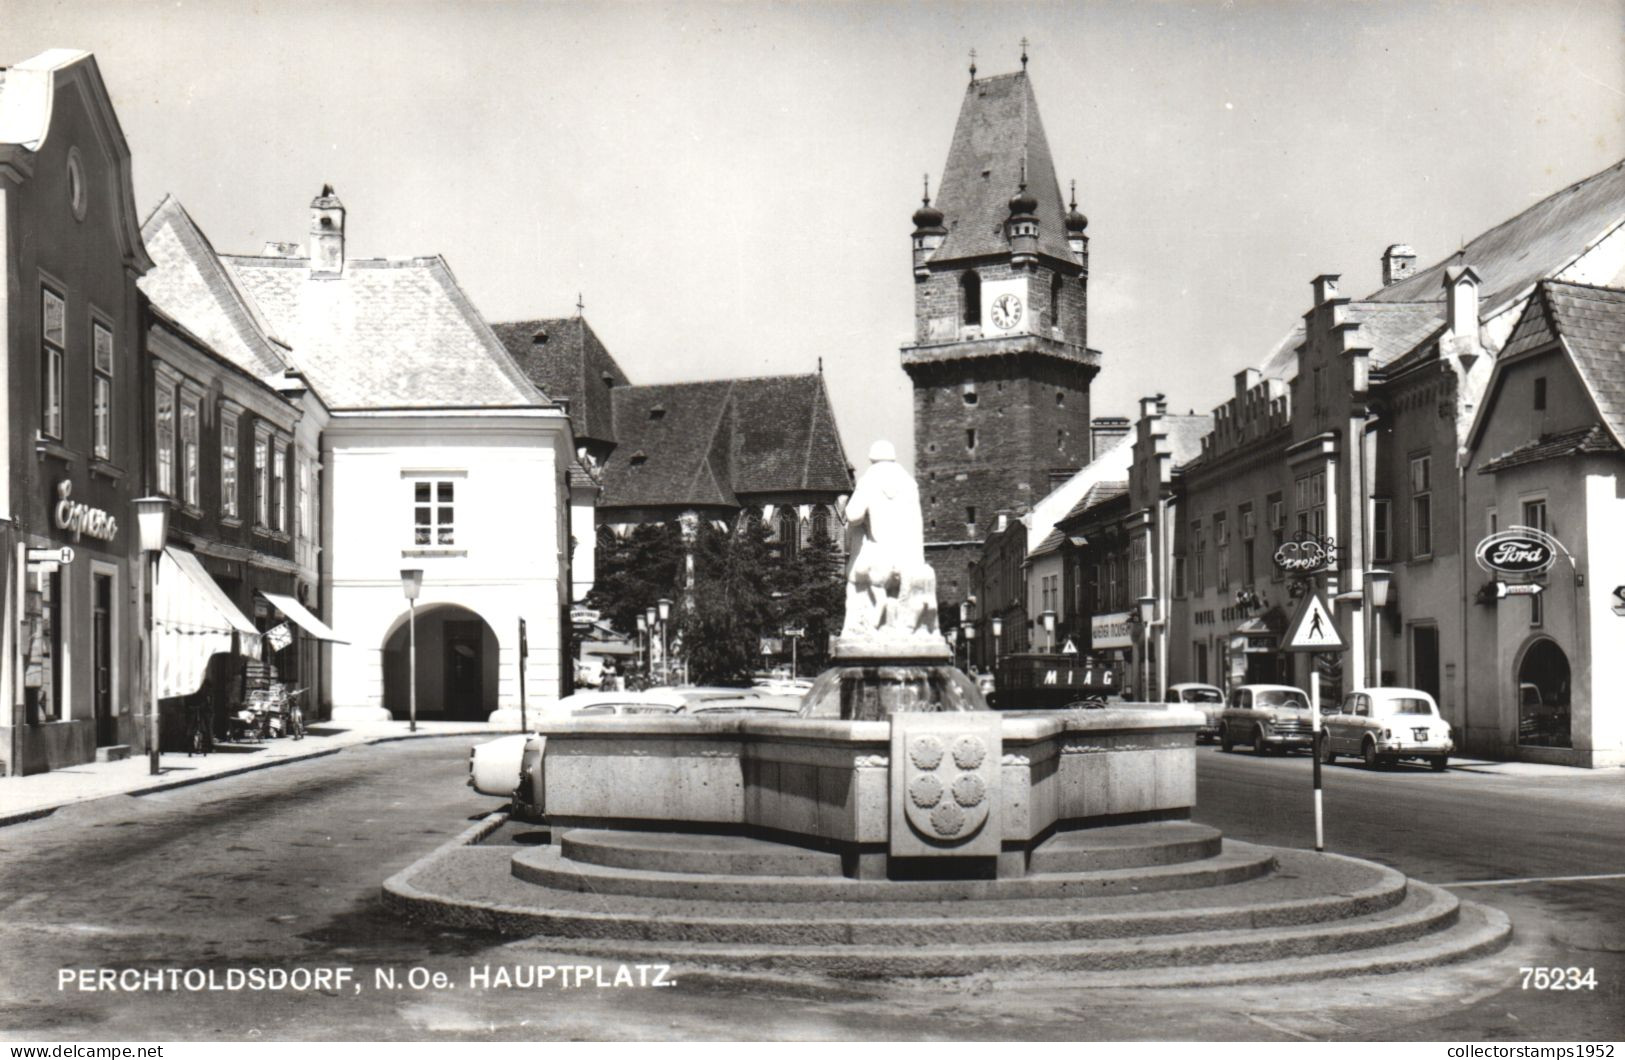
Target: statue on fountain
(891,591)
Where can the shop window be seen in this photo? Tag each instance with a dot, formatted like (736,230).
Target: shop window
(434,511)
(53,336)
(1422,506)
(228,464)
(42,655)
(101,392)
(164,436)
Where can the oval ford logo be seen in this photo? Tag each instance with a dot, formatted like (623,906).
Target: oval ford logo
(1520,550)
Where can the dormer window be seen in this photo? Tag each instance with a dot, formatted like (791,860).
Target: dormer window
(969,395)
(639,458)
(658,412)
(609,380)
(539,338)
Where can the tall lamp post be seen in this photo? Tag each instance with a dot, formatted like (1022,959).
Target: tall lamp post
(152,525)
(1048,618)
(643,645)
(411,583)
(1376,590)
(998,636)
(1148,615)
(663,608)
(970,643)
(650,618)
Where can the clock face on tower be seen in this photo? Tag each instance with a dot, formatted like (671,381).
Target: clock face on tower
(1006,311)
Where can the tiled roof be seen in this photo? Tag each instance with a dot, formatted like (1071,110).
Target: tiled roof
(385,334)
(1591,322)
(1392,329)
(998,127)
(706,443)
(1538,243)
(1591,439)
(1051,543)
(582,475)
(1185,436)
(190,285)
(566,360)
(1101,493)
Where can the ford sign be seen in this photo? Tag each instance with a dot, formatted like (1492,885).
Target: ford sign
(1517,550)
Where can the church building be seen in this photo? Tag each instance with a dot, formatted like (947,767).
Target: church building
(1000,362)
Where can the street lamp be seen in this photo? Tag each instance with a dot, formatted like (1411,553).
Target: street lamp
(663,608)
(643,645)
(970,643)
(1048,618)
(649,619)
(1376,589)
(1148,615)
(152,525)
(411,584)
(998,637)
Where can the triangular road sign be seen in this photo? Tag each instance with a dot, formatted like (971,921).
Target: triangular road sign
(1312,627)
(1070,648)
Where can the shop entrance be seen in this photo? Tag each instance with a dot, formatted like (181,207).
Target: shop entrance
(101,653)
(457,654)
(1543,696)
(1425,659)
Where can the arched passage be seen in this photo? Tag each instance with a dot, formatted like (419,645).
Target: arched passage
(457,655)
(1543,696)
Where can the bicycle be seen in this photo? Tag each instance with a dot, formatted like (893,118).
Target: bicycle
(199,733)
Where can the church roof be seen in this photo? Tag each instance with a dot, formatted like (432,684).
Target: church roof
(565,358)
(707,443)
(1538,243)
(191,285)
(385,334)
(998,129)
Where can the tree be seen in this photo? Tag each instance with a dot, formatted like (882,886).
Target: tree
(635,571)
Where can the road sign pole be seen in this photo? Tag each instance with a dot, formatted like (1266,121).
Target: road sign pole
(1314,750)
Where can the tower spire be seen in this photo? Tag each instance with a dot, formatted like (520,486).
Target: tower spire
(973,66)
(581,304)
(1024,55)
(926,199)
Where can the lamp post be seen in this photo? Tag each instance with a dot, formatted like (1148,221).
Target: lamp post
(643,645)
(663,609)
(1376,590)
(411,583)
(152,525)
(1048,618)
(650,617)
(998,636)
(1148,615)
(970,643)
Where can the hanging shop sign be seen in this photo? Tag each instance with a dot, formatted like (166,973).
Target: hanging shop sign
(1305,554)
(79,518)
(1517,550)
(1110,631)
(279,636)
(583,616)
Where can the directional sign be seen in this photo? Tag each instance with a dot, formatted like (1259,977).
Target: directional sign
(1312,627)
(1503,589)
(795,632)
(1619,595)
(50,555)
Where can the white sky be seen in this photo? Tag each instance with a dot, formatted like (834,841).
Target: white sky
(729,185)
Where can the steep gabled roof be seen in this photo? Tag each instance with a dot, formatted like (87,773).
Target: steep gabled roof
(1590,439)
(1099,495)
(706,443)
(386,334)
(563,357)
(1536,244)
(998,128)
(191,285)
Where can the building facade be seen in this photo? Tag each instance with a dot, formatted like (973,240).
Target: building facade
(71,652)
(999,362)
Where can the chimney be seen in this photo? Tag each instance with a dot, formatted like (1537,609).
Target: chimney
(1398,262)
(1325,288)
(326,235)
(1461,300)
(1104,431)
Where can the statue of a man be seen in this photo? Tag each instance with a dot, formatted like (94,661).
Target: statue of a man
(886,581)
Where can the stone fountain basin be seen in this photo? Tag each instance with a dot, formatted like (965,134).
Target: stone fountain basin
(834,783)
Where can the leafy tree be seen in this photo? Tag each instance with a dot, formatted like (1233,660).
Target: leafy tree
(634,572)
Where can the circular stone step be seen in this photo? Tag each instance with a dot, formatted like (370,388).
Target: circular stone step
(705,855)
(1126,846)
(547,866)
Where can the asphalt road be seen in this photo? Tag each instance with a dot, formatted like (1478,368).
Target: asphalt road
(281,869)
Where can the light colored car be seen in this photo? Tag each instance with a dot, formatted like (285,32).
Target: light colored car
(1266,717)
(1383,725)
(778,705)
(1206,698)
(782,686)
(493,766)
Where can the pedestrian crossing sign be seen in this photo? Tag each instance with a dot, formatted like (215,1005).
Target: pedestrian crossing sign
(1312,628)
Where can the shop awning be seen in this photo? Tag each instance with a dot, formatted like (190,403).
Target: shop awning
(296,613)
(194,620)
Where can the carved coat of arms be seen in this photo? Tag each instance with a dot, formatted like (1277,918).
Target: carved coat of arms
(945,784)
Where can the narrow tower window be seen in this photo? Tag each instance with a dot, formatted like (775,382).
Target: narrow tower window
(970,292)
(970,438)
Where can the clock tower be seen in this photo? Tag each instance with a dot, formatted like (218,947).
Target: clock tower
(999,362)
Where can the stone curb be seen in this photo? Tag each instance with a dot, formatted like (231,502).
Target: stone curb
(161,784)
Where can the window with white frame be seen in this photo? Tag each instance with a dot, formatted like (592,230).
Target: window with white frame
(101,392)
(1382,529)
(434,512)
(1199,557)
(1221,545)
(189,449)
(1421,506)
(1492,520)
(164,435)
(279,485)
(262,478)
(53,341)
(228,464)
(1534,514)
(1311,503)
(301,476)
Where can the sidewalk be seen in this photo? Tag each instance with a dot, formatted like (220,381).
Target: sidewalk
(25,798)
(1528,769)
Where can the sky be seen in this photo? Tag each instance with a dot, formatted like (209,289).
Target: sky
(728,187)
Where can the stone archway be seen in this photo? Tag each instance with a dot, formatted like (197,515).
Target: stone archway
(1543,690)
(457,653)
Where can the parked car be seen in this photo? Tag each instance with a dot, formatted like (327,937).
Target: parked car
(1206,698)
(493,766)
(1383,725)
(785,706)
(1267,717)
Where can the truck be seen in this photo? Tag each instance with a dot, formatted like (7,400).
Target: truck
(1049,681)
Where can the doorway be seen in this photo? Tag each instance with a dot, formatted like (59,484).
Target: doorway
(101,653)
(1425,659)
(457,655)
(464,667)
(1543,696)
